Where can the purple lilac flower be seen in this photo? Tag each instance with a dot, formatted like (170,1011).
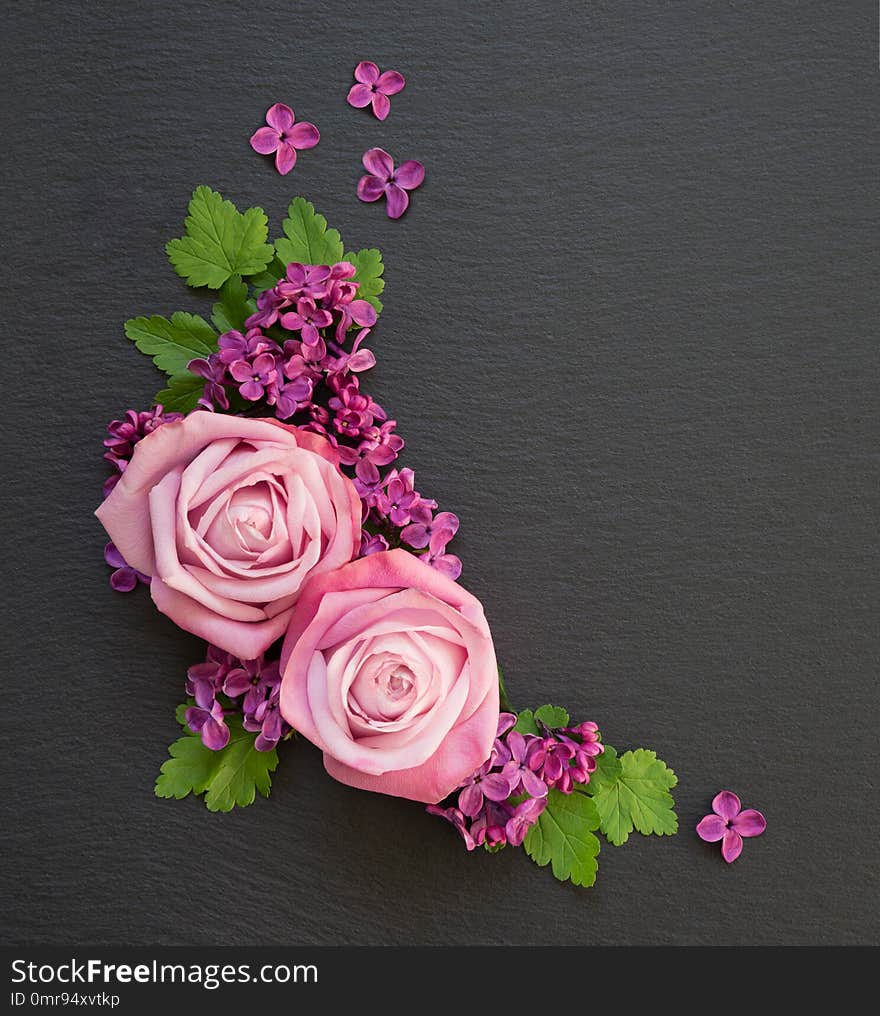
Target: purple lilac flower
(206,718)
(309,282)
(489,828)
(483,784)
(209,675)
(437,557)
(524,817)
(373,88)
(519,775)
(267,719)
(124,578)
(382,178)
(398,498)
(255,679)
(290,397)
(425,525)
(729,822)
(269,304)
(307,319)
(235,346)
(284,137)
(454,816)
(213,370)
(254,377)
(372,544)
(125,434)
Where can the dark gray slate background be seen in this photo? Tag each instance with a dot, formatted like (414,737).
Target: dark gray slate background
(631,338)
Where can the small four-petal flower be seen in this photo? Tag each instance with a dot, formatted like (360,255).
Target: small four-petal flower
(729,822)
(374,88)
(284,137)
(382,178)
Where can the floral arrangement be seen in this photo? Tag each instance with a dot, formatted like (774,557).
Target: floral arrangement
(261,500)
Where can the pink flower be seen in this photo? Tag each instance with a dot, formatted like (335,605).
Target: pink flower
(383,179)
(284,137)
(230,516)
(373,87)
(389,668)
(729,823)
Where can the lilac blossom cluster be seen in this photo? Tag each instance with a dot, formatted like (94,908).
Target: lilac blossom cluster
(125,434)
(254,688)
(314,378)
(504,798)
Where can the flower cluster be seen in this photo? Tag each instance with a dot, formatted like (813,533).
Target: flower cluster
(504,798)
(253,688)
(125,434)
(312,380)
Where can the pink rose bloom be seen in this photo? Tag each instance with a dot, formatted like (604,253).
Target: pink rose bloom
(389,668)
(230,516)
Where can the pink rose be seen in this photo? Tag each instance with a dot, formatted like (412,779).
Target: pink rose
(230,516)
(389,668)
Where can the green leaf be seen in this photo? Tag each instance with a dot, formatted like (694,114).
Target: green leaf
(607,771)
(230,311)
(552,716)
(180,712)
(172,344)
(220,241)
(525,722)
(563,837)
(227,778)
(369,275)
(637,796)
(307,238)
(182,394)
(504,701)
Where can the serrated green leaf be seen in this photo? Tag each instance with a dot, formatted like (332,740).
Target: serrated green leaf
(182,394)
(180,712)
(369,275)
(189,770)
(230,311)
(172,343)
(563,837)
(525,722)
(307,238)
(552,716)
(636,797)
(608,769)
(227,778)
(220,241)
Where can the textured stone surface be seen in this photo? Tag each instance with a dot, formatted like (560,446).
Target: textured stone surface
(630,337)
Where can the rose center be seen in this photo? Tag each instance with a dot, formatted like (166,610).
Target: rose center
(398,684)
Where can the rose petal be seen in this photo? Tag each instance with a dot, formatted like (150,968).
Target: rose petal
(265,140)
(303,135)
(360,96)
(731,846)
(390,82)
(381,106)
(366,72)
(749,823)
(397,201)
(285,158)
(378,162)
(726,804)
(370,188)
(280,117)
(410,174)
(711,828)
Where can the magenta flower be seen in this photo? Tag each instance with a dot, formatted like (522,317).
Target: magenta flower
(307,319)
(308,281)
(254,377)
(729,823)
(373,87)
(382,179)
(284,137)
(206,718)
(482,785)
(124,578)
